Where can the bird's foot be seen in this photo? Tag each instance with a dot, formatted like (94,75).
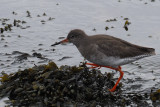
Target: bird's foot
(117,69)
(112,90)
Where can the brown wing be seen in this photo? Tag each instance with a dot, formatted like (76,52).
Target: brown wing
(112,46)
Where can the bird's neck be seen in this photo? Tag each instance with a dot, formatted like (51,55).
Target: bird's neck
(81,42)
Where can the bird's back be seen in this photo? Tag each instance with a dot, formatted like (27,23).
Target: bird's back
(112,46)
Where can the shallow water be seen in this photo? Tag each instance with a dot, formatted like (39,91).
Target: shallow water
(141,76)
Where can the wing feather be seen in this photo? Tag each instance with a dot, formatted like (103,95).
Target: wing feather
(112,46)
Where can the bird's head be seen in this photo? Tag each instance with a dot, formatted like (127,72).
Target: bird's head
(74,36)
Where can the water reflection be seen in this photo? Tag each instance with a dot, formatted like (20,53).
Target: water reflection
(142,75)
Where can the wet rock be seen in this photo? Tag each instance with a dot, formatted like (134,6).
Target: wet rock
(2,36)
(38,55)
(43,21)
(155,96)
(2,39)
(50,18)
(94,29)
(127,23)
(15,22)
(49,85)
(6,28)
(111,20)
(44,14)
(2,30)
(40,44)
(28,14)
(106,28)
(40,49)
(5,46)
(126,18)
(38,15)
(23,22)
(128,34)
(16,52)
(150,36)
(9,27)
(2,64)
(19,36)
(14,13)
(22,57)
(63,58)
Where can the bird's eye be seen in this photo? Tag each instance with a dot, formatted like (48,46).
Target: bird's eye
(72,36)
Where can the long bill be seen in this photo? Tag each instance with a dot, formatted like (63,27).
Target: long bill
(63,41)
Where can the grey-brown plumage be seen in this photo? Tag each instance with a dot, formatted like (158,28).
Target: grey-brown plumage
(107,50)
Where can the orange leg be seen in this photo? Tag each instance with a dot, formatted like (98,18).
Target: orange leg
(121,75)
(117,69)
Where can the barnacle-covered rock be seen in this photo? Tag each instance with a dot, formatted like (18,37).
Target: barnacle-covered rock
(155,96)
(51,86)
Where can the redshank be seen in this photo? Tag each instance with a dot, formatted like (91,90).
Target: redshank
(107,51)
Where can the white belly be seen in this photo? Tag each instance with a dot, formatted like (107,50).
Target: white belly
(114,61)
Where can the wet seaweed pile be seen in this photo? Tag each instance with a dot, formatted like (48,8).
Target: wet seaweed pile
(48,85)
